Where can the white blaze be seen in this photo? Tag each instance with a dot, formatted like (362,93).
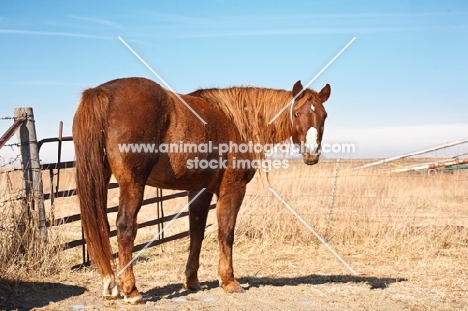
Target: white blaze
(311,140)
(311,137)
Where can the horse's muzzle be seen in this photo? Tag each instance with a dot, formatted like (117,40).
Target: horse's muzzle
(311,159)
(311,155)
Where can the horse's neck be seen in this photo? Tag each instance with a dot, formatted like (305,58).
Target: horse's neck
(279,130)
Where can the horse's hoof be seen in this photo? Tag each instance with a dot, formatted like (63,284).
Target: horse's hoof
(110,291)
(233,287)
(136,300)
(192,287)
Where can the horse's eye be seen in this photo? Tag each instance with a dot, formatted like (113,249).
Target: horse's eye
(296,115)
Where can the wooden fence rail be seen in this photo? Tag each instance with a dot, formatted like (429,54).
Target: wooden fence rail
(159,221)
(33,185)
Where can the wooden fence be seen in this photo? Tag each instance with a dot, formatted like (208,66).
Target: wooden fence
(33,185)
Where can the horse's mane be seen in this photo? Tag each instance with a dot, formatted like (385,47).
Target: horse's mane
(251,108)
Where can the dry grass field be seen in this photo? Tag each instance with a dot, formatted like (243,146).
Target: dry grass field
(406,235)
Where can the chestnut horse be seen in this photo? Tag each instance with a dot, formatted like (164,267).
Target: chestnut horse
(138,110)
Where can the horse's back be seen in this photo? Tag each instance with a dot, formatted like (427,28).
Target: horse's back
(144,115)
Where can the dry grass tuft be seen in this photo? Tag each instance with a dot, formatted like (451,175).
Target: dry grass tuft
(22,255)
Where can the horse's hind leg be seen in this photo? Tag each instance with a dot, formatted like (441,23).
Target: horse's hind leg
(229,202)
(131,196)
(198,212)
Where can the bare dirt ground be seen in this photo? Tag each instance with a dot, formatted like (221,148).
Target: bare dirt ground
(276,277)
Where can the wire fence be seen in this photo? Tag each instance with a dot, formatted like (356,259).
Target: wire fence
(11,186)
(335,194)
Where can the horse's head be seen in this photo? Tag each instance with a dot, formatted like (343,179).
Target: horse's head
(308,120)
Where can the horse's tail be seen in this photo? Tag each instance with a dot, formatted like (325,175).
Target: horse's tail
(92,173)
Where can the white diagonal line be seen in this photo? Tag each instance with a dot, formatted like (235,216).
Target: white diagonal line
(313,79)
(162,80)
(313,231)
(159,233)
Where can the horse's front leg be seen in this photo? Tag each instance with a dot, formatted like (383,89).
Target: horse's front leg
(131,196)
(227,208)
(198,212)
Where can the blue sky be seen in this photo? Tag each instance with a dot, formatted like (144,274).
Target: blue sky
(400,86)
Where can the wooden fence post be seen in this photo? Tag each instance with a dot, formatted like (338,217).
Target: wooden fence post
(32,173)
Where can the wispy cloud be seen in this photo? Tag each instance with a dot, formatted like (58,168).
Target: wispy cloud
(97,21)
(291,19)
(53,33)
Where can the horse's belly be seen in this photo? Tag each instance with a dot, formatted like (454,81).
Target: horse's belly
(170,173)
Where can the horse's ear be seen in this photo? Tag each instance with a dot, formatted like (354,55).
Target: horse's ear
(296,88)
(325,93)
